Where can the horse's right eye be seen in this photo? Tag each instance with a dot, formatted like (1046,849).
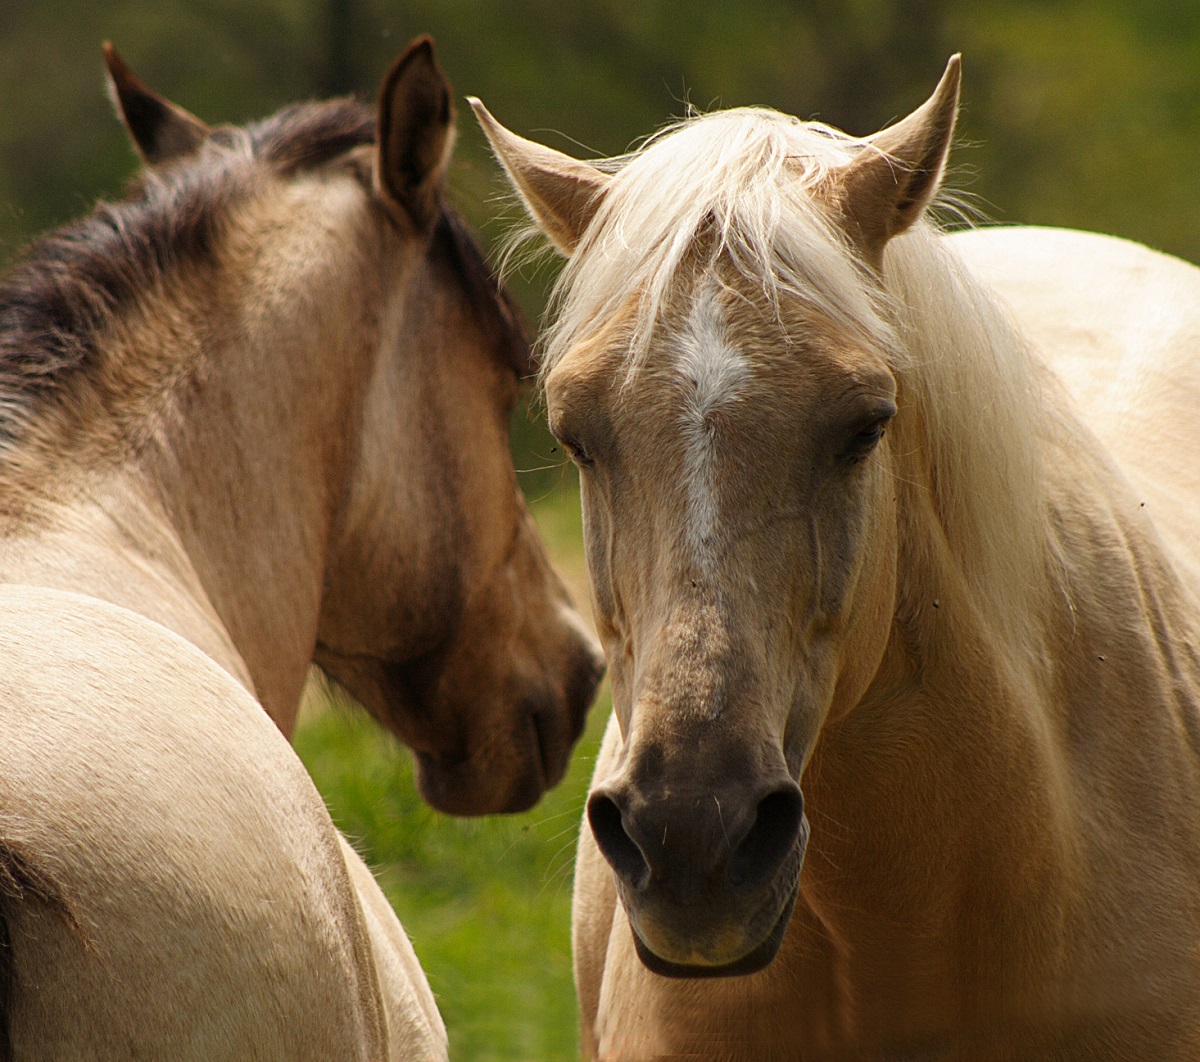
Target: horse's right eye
(866,440)
(576,452)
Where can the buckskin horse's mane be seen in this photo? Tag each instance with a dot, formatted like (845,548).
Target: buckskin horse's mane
(59,300)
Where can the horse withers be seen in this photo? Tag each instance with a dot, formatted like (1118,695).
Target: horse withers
(253,416)
(905,753)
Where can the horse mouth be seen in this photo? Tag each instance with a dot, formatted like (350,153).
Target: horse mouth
(759,958)
(470,787)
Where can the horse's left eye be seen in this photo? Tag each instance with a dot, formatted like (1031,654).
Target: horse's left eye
(865,440)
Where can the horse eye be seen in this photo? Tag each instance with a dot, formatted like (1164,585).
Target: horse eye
(577,453)
(865,440)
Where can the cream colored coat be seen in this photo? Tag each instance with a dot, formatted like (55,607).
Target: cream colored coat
(1120,325)
(972,639)
(215,907)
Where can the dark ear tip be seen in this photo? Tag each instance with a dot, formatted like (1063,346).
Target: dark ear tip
(419,50)
(419,54)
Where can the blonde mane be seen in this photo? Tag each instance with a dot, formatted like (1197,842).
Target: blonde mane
(747,175)
(759,181)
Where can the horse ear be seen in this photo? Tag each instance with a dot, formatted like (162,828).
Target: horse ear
(897,174)
(561,194)
(160,130)
(416,118)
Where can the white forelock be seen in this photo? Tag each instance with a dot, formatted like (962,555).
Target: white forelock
(746,176)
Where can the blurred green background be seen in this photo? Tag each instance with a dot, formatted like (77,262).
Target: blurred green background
(1077,114)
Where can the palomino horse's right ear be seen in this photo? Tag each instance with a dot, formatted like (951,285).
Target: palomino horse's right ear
(160,130)
(416,133)
(561,194)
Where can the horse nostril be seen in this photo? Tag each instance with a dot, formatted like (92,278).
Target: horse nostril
(621,851)
(581,689)
(545,745)
(769,841)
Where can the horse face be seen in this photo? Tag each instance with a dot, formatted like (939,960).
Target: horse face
(442,613)
(720,373)
(741,547)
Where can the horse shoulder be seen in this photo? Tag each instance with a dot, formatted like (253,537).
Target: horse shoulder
(212,908)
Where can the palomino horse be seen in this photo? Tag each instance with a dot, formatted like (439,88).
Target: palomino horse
(847,534)
(252,416)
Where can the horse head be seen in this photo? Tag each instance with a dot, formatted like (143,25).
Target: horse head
(722,371)
(397,356)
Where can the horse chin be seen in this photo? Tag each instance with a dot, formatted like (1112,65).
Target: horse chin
(464,789)
(759,958)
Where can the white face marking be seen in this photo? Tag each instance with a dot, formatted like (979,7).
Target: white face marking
(715,372)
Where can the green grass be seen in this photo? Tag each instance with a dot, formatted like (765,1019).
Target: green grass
(487,902)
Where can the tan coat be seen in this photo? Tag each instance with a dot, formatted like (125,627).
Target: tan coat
(259,420)
(904,640)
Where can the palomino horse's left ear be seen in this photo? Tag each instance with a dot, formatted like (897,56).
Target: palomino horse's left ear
(416,133)
(898,173)
(560,193)
(160,130)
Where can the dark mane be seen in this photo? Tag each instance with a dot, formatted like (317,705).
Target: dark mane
(303,136)
(498,313)
(57,300)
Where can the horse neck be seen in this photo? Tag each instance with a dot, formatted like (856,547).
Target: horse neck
(248,376)
(934,797)
(252,478)
(982,822)
(941,829)
(962,810)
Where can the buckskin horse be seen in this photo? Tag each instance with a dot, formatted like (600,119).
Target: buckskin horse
(254,416)
(905,755)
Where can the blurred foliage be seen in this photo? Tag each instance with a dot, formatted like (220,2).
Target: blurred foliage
(1076,113)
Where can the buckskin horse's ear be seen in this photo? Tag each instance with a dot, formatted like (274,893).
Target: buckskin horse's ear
(561,194)
(897,174)
(160,130)
(416,133)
